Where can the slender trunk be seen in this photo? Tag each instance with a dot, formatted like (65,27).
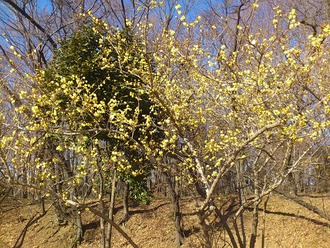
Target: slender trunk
(60,213)
(224,223)
(78,227)
(102,208)
(175,196)
(102,226)
(77,222)
(207,243)
(106,218)
(178,218)
(6,193)
(58,205)
(263,233)
(111,208)
(198,185)
(230,234)
(125,203)
(238,236)
(290,175)
(64,172)
(24,179)
(253,236)
(239,171)
(241,218)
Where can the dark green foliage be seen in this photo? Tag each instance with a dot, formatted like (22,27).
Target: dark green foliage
(140,192)
(83,55)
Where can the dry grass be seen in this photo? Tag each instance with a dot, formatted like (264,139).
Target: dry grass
(287,225)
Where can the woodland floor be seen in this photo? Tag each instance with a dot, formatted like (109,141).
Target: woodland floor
(287,225)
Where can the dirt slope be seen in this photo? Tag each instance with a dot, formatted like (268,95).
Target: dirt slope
(287,225)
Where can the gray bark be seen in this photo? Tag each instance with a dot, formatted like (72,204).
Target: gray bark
(111,208)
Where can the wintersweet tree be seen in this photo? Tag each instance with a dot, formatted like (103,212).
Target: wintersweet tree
(244,110)
(253,108)
(84,118)
(100,108)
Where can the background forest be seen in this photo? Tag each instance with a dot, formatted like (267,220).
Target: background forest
(118,102)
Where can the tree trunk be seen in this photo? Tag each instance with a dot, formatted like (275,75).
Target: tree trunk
(263,235)
(239,187)
(111,208)
(253,236)
(102,207)
(207,243)
(224,224)
(175,196)
(102,225)
(125,203)
(198,185)
(178,218)
(77,227)
(238,235)
(77,222)
(106,218)
(60,213)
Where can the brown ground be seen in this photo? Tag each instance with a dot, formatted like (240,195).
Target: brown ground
(287,225)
